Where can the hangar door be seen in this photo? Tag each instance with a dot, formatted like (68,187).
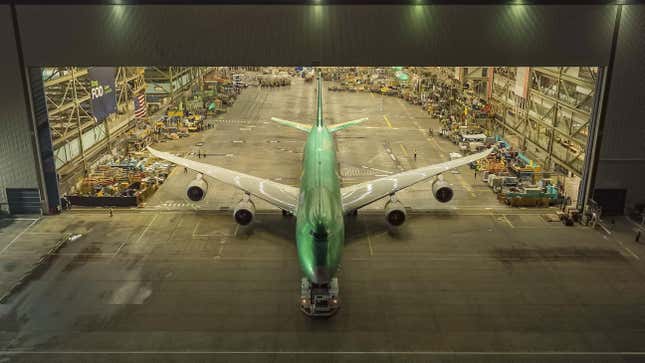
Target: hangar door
(23,201)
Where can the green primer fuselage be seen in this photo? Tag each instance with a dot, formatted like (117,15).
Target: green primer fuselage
(320,227)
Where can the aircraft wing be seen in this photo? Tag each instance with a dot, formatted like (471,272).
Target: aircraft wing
(360,195)
(280,195)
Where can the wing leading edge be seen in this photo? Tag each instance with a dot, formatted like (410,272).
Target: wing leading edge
(280,195)
(292,124)
(344,125)
(360,195)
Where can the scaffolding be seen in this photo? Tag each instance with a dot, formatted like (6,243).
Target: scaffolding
(474,79)
(78,139)
(549,112)
(76,134)
(169,84)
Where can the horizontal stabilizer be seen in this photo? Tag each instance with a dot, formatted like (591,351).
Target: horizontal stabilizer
(344,125)
(295,125)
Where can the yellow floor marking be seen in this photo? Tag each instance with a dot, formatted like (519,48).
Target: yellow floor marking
(195,229)
(429,139)
(465,185)
(508,221)
(221,249)
(432,140)
(387,121)
(405,151)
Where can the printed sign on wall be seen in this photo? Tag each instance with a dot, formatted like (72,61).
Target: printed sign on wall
(102,89)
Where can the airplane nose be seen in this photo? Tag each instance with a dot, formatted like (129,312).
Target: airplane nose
(322,275)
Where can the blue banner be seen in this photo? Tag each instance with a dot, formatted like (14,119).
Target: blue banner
(102,89)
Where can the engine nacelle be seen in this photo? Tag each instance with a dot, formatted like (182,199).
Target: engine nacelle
(197,189)
(395,213)
(244,212)
(442,191)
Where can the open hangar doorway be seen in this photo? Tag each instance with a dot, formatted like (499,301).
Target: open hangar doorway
(102,118)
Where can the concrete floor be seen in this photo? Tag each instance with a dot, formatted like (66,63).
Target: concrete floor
(465,283)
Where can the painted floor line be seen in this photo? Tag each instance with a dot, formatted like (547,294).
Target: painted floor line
(18,236)
(405,151)
(387,121)
(508,221)
(195,229)
(152,221)
(282,352)
(626,248)
(140,236)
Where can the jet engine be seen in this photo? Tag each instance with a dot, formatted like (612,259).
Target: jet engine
(442,191)
(244,212)
(395,213)
(197,189)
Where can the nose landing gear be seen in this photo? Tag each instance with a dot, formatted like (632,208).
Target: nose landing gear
(319,300)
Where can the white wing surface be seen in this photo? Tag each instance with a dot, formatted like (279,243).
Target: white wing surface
(280,195)
(360,195)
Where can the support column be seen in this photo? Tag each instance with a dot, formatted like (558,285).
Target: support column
(43,137)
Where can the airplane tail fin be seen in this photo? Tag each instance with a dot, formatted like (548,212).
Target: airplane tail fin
(319,111)
(344,125)
(292,124)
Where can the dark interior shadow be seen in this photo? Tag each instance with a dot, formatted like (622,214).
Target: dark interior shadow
(6,222)
(276,224)
(356,227)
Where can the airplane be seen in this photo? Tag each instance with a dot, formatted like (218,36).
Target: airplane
(320,204)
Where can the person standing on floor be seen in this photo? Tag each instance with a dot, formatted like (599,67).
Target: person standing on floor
(638,236)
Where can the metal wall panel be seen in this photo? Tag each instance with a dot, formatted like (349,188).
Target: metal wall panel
(45,147)
(621,163)
(23,200)
(17,162)
(331,35)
